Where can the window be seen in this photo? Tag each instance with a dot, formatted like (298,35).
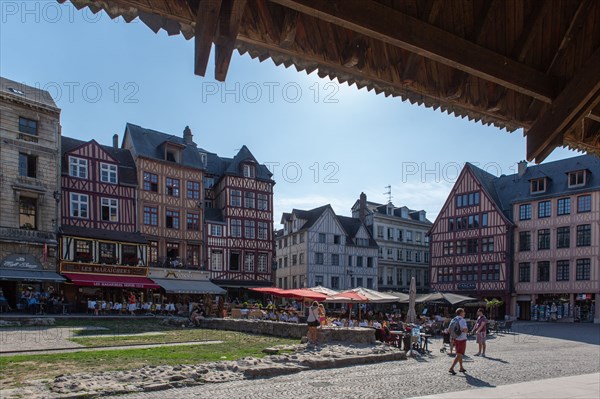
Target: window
(209,182)
(472,245)
(193,221)
(359,261)
(263,231)
(448,248)
(151,215)
(263,202)
(335,282)
(487,244)
(78,168)
(301,237)
(473,221)
(577,178)
(484,219)
(172,187)
(216,260)
(193,256)
(319,280)
(234,262)
(249,262)
(538,185)
(445,275)
(27,213)
(262,263)
(380,232)
(171,156)
(390,233)
(370,283)
(319,258)
(249,228)
(461,247)
(544,239)
(322,238)
(83,251)
(466,273)
(359,281)
(79,205)
(584,203)
(337,239)
(584,235)
(582,271)
(563,206)
(294,239)
(418,256)
(490,272)
(409,236)
(350,258)
(544,209)
(524,272)
(399,234)
(216,230)
(390,254)
(301,258)
(249,171)
(107,252)
(108,173)
(109,209)
(236,228)
(409,256)
(173,251)
(563,237)
(28,126)
(172,219)
(525,212)
(562,270)
(335,259)
(27,165)
(249,201)
(150,182)
(153,253)
(129,255)
(543,271)
(369,261)
(193,190)
(236,198)
(451,224)
(294,260)
(524,241)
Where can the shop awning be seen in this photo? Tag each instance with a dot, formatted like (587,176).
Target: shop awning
(30,275)
(189,286)
(100,280)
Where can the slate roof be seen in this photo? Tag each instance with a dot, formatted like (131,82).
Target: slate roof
(150,143)
(382,209)
(509,189)
(220,166)
(352,226)
(127,168)
(23,92)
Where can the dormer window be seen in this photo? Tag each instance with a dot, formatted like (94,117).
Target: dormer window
(390,211)
(577,178)
(249,171)
(171,156)
(538,185)
(78,167)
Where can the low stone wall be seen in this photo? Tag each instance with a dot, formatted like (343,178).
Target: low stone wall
(291,330)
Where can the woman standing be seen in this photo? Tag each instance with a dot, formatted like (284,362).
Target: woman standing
(132,305)
(313,322)
(480,330)
(322,318)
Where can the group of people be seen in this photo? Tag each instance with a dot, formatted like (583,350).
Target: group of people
(460,340)
(132,304)
(39,301)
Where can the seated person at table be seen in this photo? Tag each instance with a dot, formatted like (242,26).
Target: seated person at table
(293,318)
(272,315)
(363,323)
(338,323)
(376,324)
(197,315)
(283,317)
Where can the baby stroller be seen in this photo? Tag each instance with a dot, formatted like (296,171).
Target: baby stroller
(445,341)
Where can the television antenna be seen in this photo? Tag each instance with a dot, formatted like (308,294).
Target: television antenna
(389,193)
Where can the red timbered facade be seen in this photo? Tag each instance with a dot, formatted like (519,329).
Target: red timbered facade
(239,221)
(99,244)
(470,240)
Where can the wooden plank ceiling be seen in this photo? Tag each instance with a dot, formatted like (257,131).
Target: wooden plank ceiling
(531,64)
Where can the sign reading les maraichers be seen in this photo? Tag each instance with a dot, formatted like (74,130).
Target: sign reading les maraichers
(103,269)
(21,262)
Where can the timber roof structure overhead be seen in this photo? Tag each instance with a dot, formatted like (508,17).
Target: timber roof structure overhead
(531,64)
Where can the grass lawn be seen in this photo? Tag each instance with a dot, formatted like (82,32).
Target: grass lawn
(15,370)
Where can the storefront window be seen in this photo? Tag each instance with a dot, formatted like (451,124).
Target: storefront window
(129,255)
(108,253)
(83,251)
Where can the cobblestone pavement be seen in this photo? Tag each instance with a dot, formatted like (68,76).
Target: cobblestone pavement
(535,351)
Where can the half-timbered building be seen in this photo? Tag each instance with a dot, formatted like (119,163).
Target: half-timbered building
(30,187)
(317,247)
(100,245)
(470,240)
(401,234)
(239,220)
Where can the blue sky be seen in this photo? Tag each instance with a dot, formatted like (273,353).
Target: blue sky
(324,141)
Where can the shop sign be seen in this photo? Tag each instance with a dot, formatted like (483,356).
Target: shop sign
(21,262)
(178,274)
(102,269)
(583,297)
(466,286)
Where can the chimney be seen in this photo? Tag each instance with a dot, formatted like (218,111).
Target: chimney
(116,141)
(187,136)
(521,168)
(362,207)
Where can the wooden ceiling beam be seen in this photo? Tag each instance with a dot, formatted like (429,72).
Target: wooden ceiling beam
(207,19)
(382,23)
(595,114)
(228,29)
(580,95)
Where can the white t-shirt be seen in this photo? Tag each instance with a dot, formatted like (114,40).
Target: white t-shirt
(463,325)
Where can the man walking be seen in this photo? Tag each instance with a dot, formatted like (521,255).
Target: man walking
(460,342)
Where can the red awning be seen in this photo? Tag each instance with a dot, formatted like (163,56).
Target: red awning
(100,280)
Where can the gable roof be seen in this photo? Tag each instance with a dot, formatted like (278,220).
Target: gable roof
(150,143)
(24,93)
(126,165)
(352,227)
(220,166)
